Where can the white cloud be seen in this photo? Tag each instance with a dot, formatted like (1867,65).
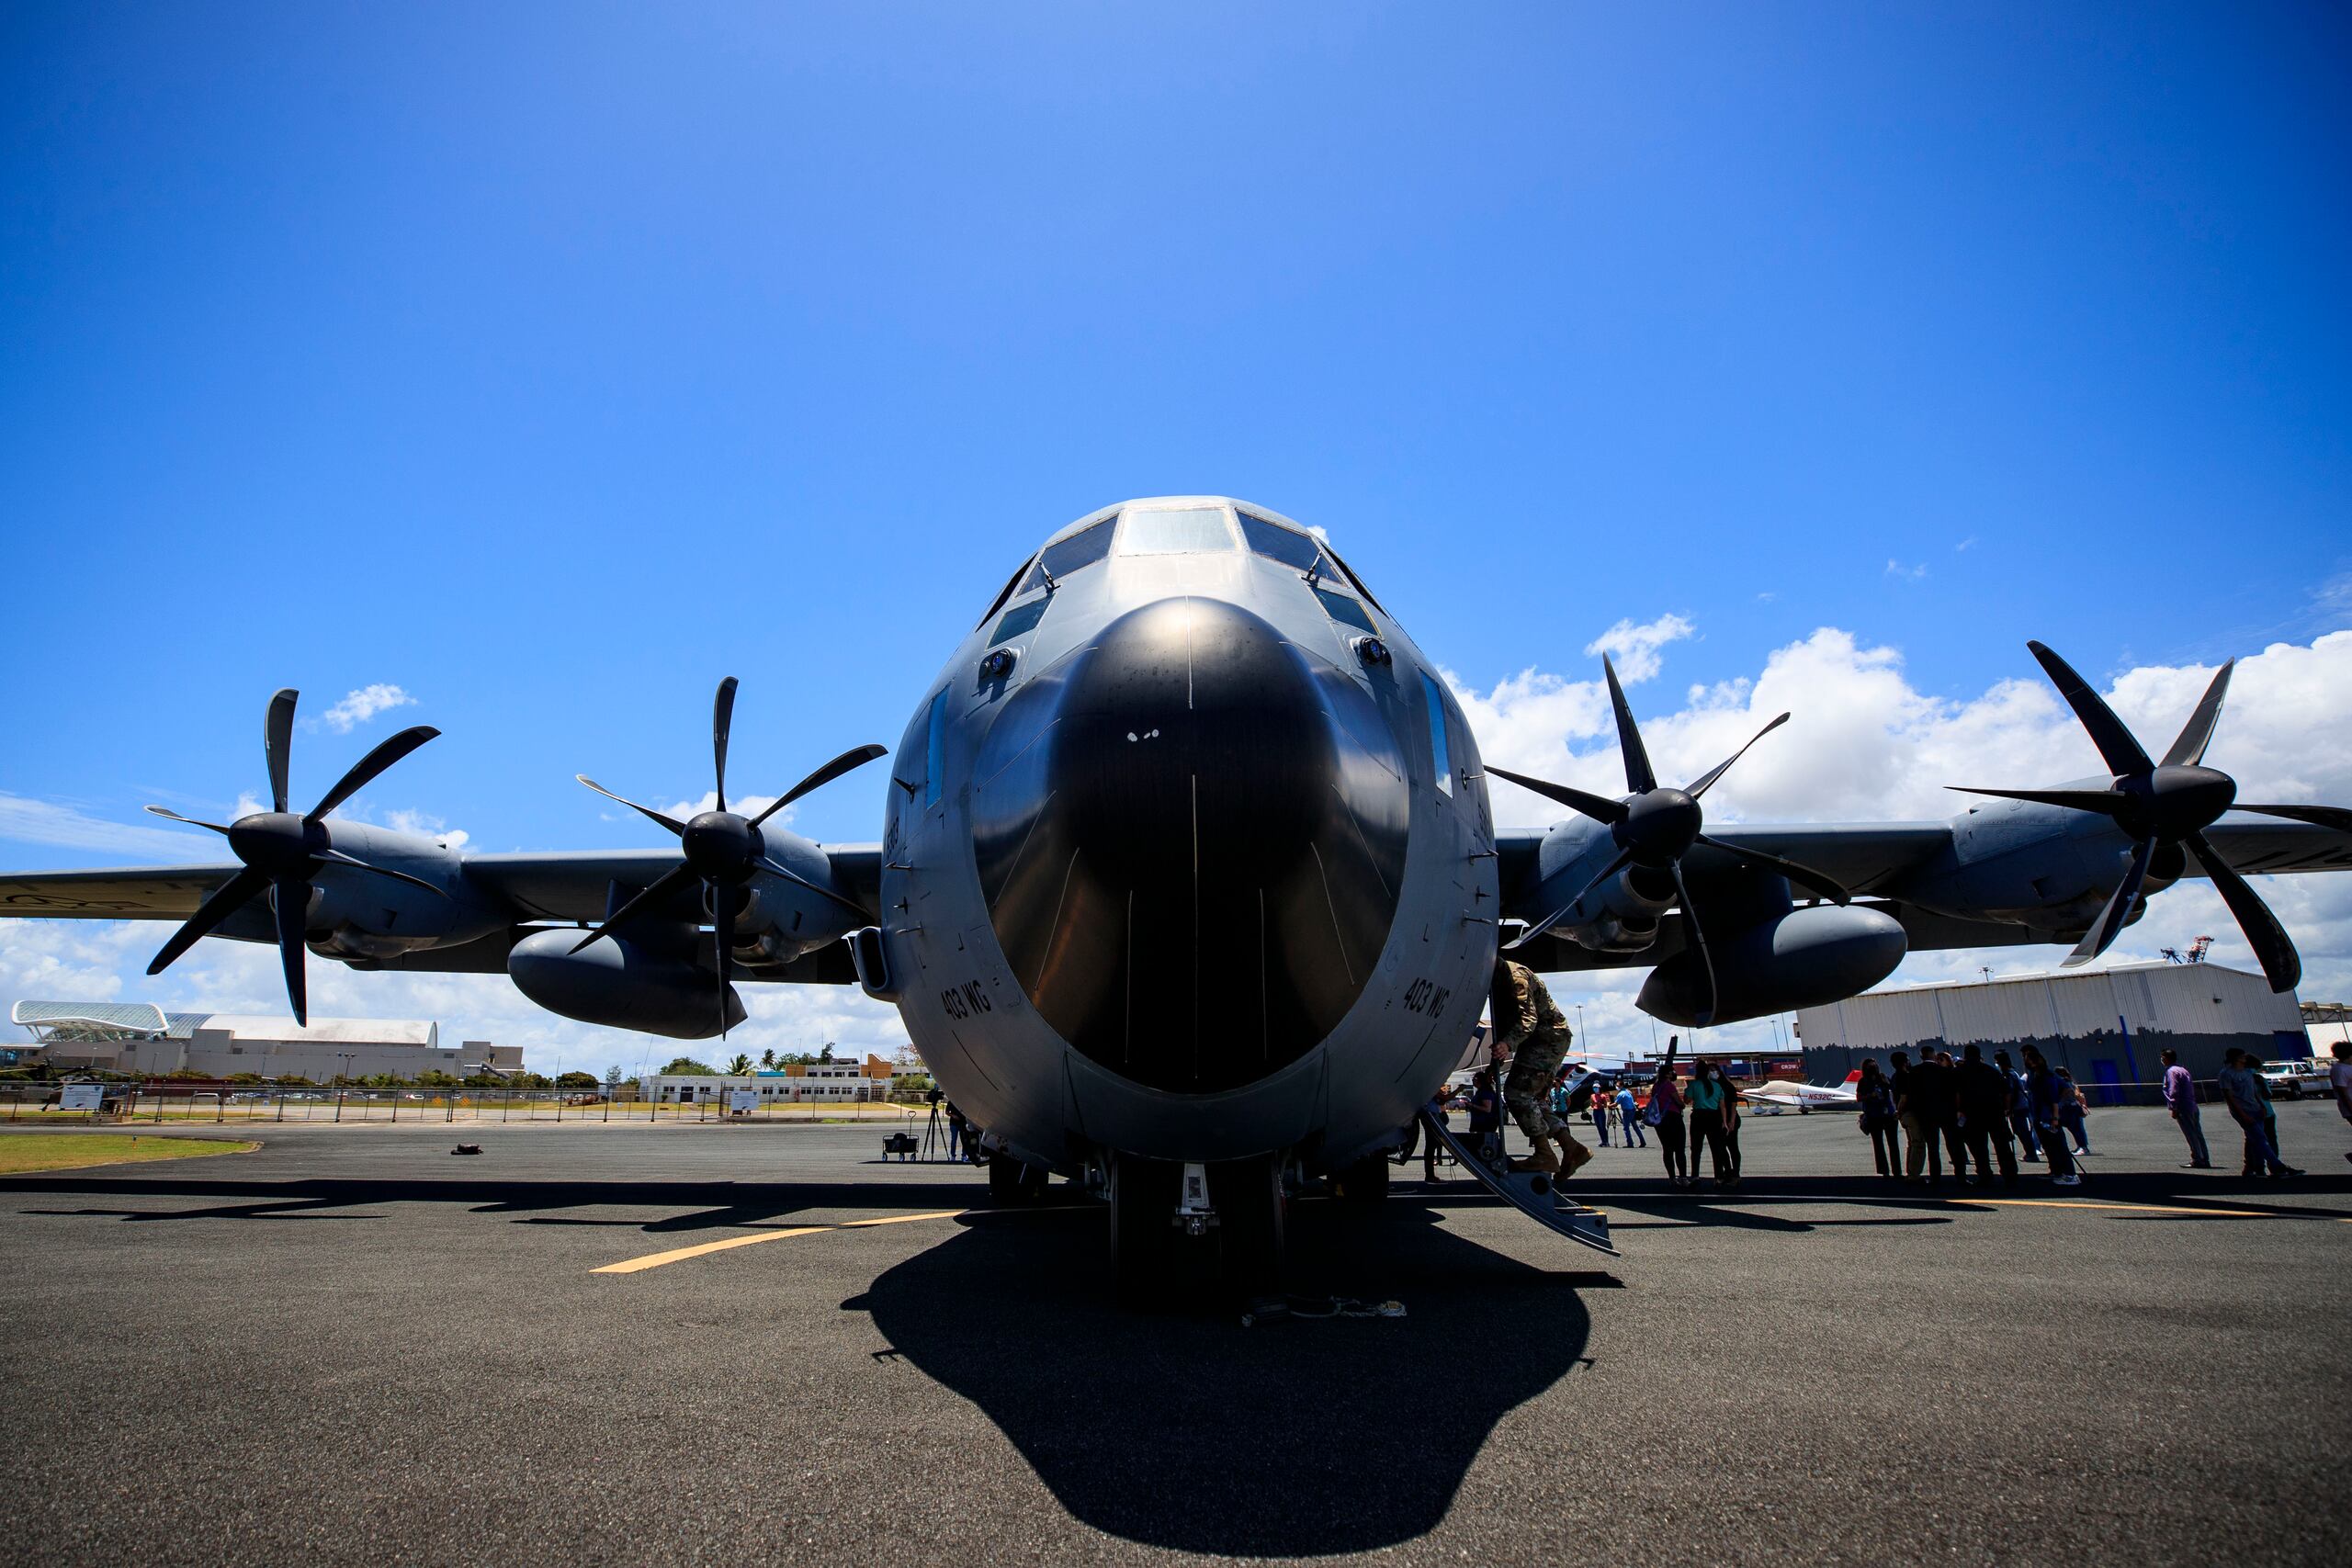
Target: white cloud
(1864,745)
(75,961)
(30,821)
(742,806)
(1967,544)
(1895,568)
(357,708)
(1634,648)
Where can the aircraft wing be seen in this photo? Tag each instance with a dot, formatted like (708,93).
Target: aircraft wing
(137,893)
(516,892)
(2256,845)
(573,885)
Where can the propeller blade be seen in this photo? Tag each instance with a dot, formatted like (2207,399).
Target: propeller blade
(1592,806)
(1803,876)
(722,718)
(339,858)
(1708,778)
(2115,743)
(2263,932)
(293,909)
(189,820)
(2103,801)
(2117,909)
(1625,858)
(278,742)
(722,930)
(386,753)
(2334,817)
(1698,941)
(1638,776)
(660,888)
(775,868)
(223,902)
(671,823)
(848,762)
(2188,747)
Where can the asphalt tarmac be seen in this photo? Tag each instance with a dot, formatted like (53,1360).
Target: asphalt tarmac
(352,1347)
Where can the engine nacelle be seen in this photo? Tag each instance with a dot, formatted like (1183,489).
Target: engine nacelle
(1804,958)
(616,983)
(1620,915)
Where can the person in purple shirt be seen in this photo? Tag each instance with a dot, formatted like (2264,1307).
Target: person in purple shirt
(2180,1098)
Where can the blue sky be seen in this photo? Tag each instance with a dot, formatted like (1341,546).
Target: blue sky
(550,362)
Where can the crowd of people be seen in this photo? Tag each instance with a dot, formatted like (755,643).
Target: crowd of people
(1981,1117)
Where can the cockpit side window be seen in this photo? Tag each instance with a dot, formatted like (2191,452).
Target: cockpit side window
(1349,572)
(1441,754)
(1299,551)
(934,750)
(1063,556)
(1192,530)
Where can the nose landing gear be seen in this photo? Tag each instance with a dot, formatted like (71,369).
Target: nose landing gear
(1178,1231)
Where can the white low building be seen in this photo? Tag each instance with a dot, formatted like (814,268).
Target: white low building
(142,1038)
(839,1082)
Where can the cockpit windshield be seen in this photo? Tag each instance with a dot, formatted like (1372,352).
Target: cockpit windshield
(1063,556)
(1192,530)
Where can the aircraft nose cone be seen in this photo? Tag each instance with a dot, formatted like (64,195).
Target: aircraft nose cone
(1191,839)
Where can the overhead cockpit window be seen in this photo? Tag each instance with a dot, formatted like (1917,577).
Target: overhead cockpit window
(1063,556)
(1194,530)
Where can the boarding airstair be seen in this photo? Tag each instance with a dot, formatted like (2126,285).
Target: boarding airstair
(1532,1193)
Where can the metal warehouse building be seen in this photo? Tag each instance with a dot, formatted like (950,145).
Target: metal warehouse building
(2105,1026)
(139,1037)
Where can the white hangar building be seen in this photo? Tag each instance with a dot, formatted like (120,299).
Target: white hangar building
(2105,1026)
(142,1038)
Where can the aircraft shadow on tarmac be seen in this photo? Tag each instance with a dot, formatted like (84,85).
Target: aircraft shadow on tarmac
(1184,1430)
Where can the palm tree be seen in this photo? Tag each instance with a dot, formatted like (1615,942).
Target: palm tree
(739,1066)
(767,1058)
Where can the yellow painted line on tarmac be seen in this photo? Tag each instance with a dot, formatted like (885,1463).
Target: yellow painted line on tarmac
(679,1254)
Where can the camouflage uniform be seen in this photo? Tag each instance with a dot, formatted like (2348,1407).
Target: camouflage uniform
(1537,1030)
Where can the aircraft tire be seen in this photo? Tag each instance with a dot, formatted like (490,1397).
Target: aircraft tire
(1012,1182)
(1251,1221)
(1366,1181)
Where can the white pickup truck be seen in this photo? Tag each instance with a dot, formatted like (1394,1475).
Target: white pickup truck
(2294,1079)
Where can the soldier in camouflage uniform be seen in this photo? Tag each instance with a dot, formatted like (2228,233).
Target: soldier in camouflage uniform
(1526,1018)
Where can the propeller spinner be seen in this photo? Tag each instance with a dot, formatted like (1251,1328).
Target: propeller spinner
(722,848)
(2165,808)
(283,852)
(1654,827)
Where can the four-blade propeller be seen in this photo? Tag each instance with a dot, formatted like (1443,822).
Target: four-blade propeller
(2165,808)
(282,851)
(1654,827)
(724,850)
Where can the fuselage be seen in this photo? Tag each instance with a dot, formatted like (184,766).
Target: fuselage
(1189,852)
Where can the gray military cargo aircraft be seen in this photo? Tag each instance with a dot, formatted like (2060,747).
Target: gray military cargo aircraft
(1188,884)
